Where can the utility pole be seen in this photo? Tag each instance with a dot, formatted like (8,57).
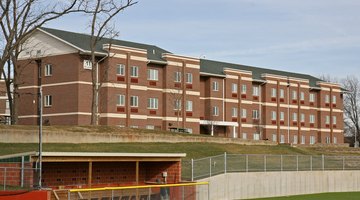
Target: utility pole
(40,104)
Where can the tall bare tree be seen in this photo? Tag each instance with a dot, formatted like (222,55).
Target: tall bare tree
(352,105)
(102,13)
(18,20)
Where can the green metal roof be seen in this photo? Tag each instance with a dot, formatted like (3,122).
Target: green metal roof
(217,67)
(82,41)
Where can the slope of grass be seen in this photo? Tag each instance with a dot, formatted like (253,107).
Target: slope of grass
(325,196)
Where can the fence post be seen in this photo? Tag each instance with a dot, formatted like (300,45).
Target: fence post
(264,163)
(311,164)
(323,162)
(281,162)
(69,195)
(343,162)
(192,169)
(210,166)
(5,169)
(247,163)
(297,162)
(22,170)
(225,163)
(183,193)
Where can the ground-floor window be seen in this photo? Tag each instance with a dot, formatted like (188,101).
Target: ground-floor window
(303,139)
(274,138)
(335,140)
(295,139)
(151,127)
(327,140)
(189,130)
(244,136)
(134,126)
(282,139)
(312,139)
(256,136)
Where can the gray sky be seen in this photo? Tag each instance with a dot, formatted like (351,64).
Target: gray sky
(306,36)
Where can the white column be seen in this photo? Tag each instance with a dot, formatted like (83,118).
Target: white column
(234,132)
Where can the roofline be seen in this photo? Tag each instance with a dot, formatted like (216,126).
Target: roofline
(19,155)
(181,56)
(102,154)
(157,62)
(211,74)
(259,81)
(238,70)
(328,83)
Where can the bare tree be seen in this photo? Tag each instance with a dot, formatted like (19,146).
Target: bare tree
(352,105)
(102,13)
(18,20)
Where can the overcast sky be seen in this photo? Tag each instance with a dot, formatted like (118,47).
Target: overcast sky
(306,36)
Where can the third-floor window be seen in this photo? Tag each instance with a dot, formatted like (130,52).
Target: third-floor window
(134,72)
(189,78)
(153,74)
(312,98)
(189,106)
(294,95)
(215,111)
(255,114)
(215,86)
(120,100)
(255,90)
(327,99)
(243,89)
(48,70)
(312,119)
(153,103)
(282,93)
(177,76)
(120,70)
(234,88)
(334,99)
(273,92)
(134,101)
(234,112)
(302,96)
(273,115)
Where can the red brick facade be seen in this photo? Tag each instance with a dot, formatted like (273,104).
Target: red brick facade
(282,104)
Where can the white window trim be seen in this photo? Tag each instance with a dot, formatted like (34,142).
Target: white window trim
(153,75)
(87,64)
(189,78)
(273,92)
(177,77)
(153,103)
(120,70)
(243,89)
(120,100)
(256,91)
(215,111)
(215,86)
(189,106)
(234,88)
(48,70)
(234,112)
(47,101)
(135,101)
(136,74)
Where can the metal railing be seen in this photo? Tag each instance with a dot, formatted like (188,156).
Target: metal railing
(229,163)
(16,178)
(183,191)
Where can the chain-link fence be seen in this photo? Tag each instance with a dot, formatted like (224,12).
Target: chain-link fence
(186,191)
(227,163)
(16,178)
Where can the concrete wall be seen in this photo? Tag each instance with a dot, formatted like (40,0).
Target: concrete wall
(31,136)
(272,184)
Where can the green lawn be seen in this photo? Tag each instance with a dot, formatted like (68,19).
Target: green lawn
(325,196)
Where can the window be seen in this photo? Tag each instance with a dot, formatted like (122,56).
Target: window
(189,130)
(47,100)
(255,114)
(312,119)
(334,99)
(303,139)
(234,112)
(134,71)
(48,70)
(87,64)
(151,127)
(177,77)
(256,136)
(302,117)
(273,115)
(120,100)
(244,136)
(327,140)
(120,70)
(312,98)
(312,139)
(327,120)
(177,104)
(189,106)
(274,139)
(243,89)
(215,111)
(282,116)
(294,95)
(134,126)
(327,99)
(243,113)
(282,139)
(255,90)
(295,139)
(282,93)
(234,88)
(134,101)
(334,120)
(335,140)
(153,74)
(153,103)
(294,117)
(189,78)
(302,96)
(215,86)
(273,92)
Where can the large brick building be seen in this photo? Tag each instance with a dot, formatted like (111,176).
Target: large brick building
(4,104)
(144,86)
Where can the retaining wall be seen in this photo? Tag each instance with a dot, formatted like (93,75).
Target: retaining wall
(271,184)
